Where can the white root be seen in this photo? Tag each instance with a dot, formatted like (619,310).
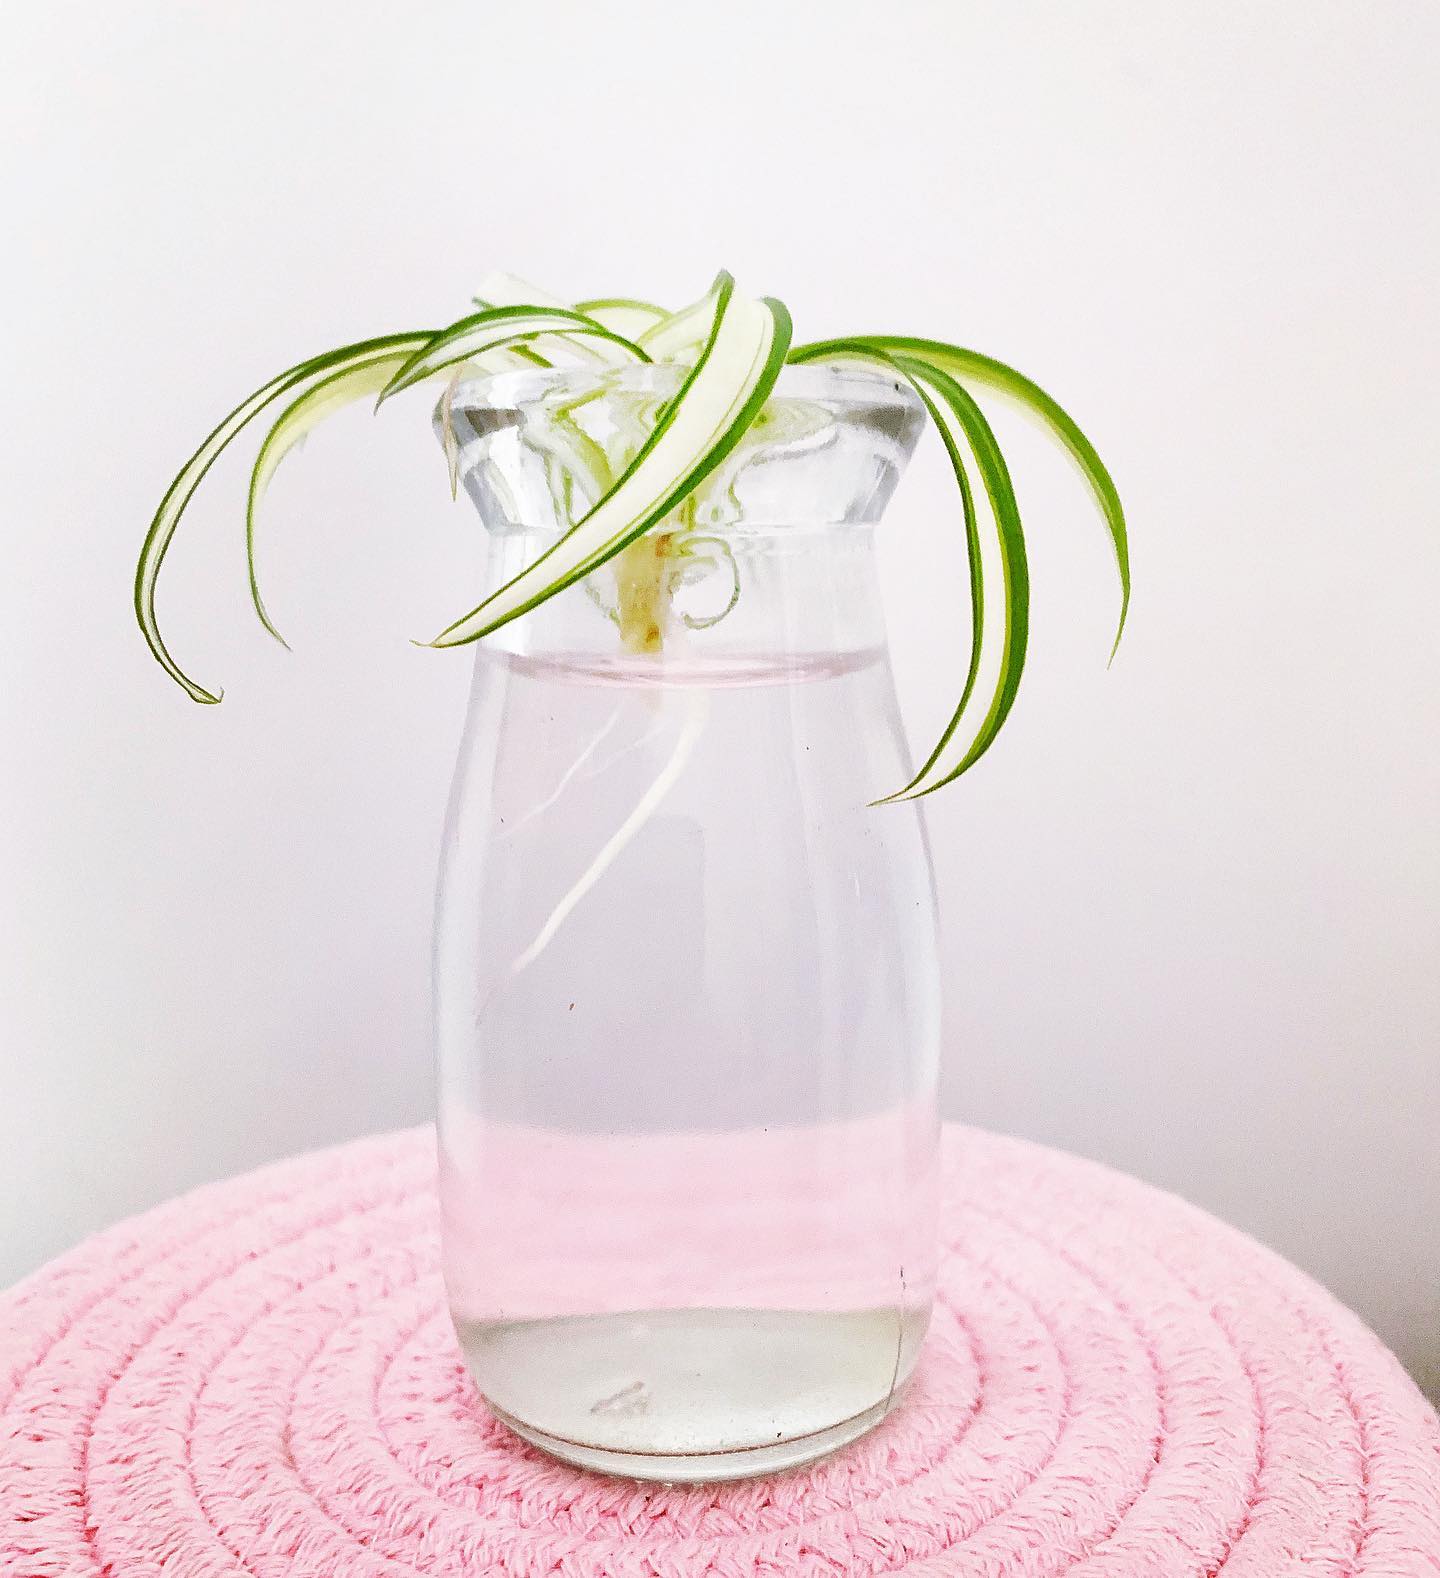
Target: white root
(566,777)
(615,845)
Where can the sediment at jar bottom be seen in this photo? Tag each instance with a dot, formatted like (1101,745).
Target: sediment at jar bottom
(695,1393)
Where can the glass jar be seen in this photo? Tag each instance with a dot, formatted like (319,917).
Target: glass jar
(686,976)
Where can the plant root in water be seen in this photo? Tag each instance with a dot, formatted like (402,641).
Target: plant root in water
(697,706)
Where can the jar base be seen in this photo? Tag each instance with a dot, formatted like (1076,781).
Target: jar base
(691,1468)
(694,1393)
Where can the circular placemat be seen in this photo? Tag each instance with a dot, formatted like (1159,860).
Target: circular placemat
(260,1379)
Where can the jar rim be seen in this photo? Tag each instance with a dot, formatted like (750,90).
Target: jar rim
(833,384)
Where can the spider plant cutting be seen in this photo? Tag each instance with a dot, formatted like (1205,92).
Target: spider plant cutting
(647,483)
(686,985)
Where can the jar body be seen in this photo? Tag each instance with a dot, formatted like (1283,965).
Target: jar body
(687,1012)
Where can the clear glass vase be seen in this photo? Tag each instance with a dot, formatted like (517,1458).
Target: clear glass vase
(686,976)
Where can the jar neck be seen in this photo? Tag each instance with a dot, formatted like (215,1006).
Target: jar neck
(768,560)
(677,603)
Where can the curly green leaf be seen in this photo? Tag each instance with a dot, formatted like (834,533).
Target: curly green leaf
(1007,381)
(178,495)
(963,428)
(295,423)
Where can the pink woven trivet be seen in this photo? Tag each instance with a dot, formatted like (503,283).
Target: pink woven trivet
(260,1379)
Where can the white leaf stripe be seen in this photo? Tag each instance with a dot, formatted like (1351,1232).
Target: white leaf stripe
(491,329)
(679,333)
(297,420)
(501,289)
(623,314)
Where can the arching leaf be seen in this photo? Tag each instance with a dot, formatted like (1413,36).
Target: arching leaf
(181,490)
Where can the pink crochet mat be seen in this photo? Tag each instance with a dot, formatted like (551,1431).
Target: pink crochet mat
(260,1379)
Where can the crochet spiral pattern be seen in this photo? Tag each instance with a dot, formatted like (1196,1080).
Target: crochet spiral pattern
(260,1379)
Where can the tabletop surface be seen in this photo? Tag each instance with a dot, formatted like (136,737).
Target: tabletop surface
(260,1379)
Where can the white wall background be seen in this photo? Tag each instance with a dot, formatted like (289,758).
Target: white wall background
(1191,903)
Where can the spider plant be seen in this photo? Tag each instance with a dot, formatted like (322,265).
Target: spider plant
(730,349)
